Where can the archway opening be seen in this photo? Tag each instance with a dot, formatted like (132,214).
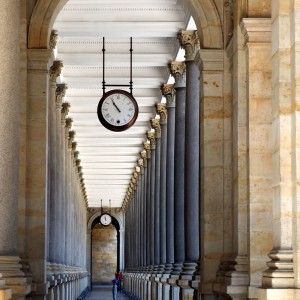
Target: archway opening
(105,251)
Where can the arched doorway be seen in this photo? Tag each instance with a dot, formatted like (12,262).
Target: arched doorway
(105,251)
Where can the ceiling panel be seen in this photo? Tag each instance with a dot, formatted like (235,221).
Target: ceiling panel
(108,159)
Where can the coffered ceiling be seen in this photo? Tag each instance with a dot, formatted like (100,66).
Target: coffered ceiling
(108,158)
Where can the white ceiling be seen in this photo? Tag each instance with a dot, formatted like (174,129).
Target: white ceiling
(108,159)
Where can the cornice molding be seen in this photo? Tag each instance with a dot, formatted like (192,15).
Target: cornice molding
(256,30)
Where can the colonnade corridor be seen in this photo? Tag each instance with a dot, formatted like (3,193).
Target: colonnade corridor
(193,193)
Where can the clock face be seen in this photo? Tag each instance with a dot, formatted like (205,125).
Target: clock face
(105,219)
(117,110)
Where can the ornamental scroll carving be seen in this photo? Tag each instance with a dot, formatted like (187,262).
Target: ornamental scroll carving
(71,138)
(143,155)
(53,39)
(190,42)
(64,111)
(161,109)
(169,92)
(147,147)
(178,71)
(60,93)
(155,124)
(55,70)
(151,138)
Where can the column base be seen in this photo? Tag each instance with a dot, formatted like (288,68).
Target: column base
(13,278)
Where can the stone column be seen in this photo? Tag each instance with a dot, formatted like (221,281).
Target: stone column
(155,123)
(60,94)
(169,92)
(161,109)
(190,42)
(38,87)
(152,139)
(281,279)
(9,144)
(148,204)
(143,156)
(177,70)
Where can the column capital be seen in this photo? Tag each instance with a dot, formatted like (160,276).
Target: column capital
(71,138)
(60,93)
(169,92)
(140,163)
(67,127)
(161,109)
(64,111)
(155,124)
(143,155)
(76,154)
(190,42)
(256,30)
(73,150)
(178,71)
(147,147)
(151,138)
(55,70)
(53,39)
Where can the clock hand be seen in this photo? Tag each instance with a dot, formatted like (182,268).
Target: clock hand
(115,105)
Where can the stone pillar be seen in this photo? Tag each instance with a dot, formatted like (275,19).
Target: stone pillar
(54,168)
(169,92)
(152,139)
(177,70)
(60,93)
(190,42)
(148,204)
(161,109)
(155,123)
(9,149)
(38,87)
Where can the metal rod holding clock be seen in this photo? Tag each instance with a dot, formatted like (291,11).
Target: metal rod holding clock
(104,85)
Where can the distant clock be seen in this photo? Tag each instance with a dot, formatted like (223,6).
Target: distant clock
(105,219)
(117,110)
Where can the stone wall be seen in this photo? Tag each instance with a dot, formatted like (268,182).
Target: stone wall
(104,254)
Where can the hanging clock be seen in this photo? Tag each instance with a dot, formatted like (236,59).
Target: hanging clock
(105,219)
(117,110)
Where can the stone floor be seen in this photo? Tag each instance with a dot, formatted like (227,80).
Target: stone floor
(103,293)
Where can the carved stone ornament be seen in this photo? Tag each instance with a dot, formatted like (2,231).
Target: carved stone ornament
(151,138)
(161,109)
(140,163)
(75,153)
(53,39)
(78,162)
(64,111)
(71,138)
(155,124)
(190,42)
(55,70)
(228,21)
(169,92)
(60,93)
(178,71)
(143,155)
(147,147)
(68,122)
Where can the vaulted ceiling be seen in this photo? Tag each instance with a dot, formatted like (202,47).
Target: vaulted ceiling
(108,158)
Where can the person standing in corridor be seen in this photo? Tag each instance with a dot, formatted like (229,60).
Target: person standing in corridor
(114,289)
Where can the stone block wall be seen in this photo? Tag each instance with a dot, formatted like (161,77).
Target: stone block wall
(104,254)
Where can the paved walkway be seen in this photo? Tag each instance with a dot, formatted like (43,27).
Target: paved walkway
(103,293)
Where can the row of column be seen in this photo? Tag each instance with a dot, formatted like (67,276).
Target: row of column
(66,197)
(162,204)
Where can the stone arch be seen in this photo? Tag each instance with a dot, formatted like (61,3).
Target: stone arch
(97,215)
(204,12)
